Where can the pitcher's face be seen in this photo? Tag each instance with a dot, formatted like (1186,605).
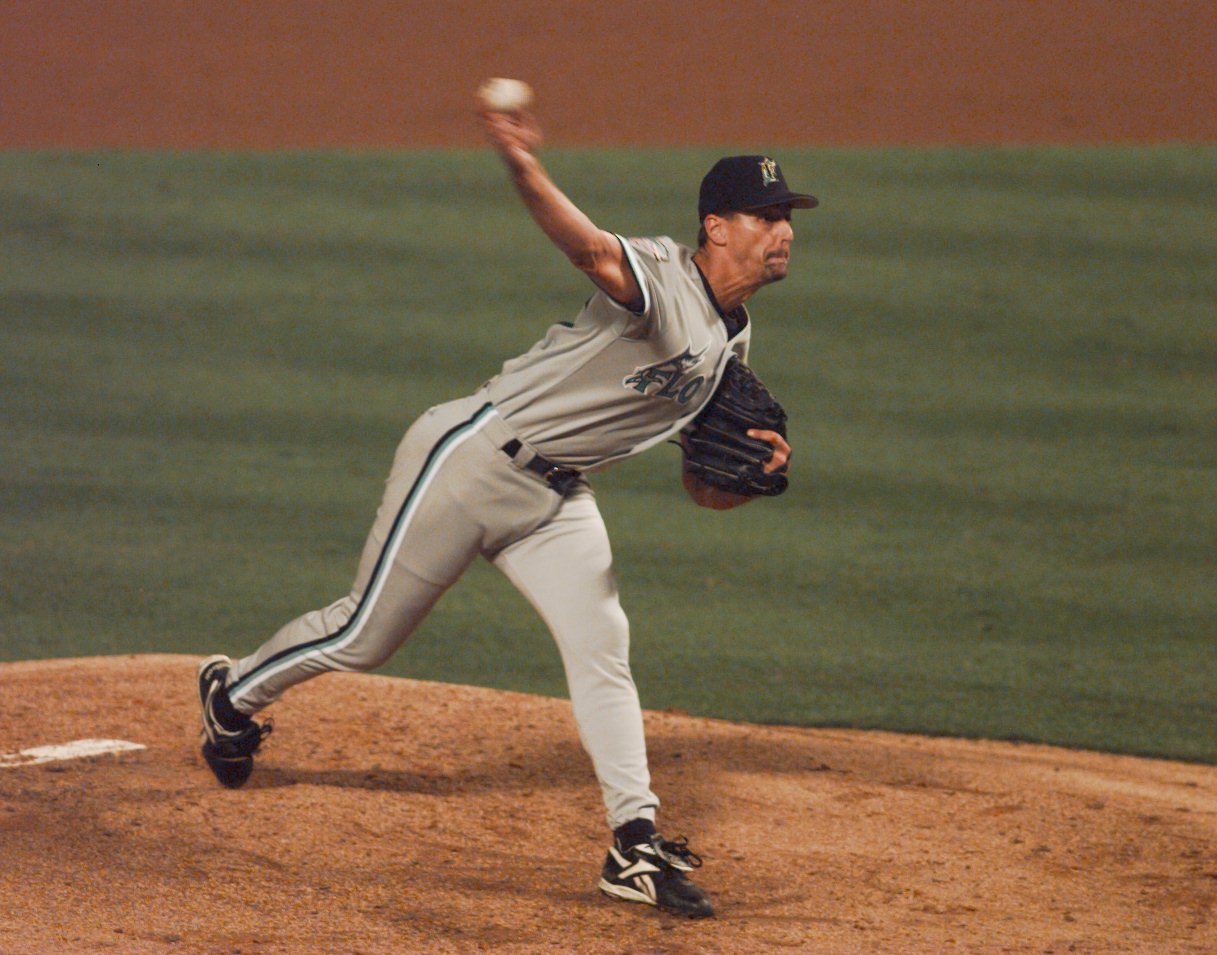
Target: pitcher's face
(759,242)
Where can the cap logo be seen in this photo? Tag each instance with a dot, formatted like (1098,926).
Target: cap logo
(769,172)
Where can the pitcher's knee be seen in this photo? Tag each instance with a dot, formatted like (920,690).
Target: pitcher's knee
(372,641)
(358,651)
(600,652)
(366,652)
(600,673)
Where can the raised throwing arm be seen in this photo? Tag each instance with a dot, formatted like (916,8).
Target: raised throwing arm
(592,250)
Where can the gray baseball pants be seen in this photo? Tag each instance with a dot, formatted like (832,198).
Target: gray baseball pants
(453,494)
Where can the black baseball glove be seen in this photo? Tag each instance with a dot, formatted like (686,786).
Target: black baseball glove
(718,451)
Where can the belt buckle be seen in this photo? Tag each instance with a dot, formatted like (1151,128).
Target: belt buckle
(560,479)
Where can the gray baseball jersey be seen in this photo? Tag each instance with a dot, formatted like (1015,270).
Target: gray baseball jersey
(614,383)
(609,385)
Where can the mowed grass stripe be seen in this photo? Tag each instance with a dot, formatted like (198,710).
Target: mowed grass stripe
(999,365)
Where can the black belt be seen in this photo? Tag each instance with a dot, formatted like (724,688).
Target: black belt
(557,477)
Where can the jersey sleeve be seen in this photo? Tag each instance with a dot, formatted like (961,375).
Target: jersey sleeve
(647,259)
(641,275)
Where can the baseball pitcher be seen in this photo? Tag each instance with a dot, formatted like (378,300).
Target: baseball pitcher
(658,351)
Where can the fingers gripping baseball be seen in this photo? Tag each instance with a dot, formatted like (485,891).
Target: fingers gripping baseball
(511,132)
(510,127)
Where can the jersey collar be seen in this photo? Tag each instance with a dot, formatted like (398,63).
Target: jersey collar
(736,319)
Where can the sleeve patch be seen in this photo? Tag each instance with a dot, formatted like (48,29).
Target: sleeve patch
(656,250)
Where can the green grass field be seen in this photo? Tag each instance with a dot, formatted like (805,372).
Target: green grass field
(1000,366)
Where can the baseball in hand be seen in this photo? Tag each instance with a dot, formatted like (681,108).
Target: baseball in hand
(505,96)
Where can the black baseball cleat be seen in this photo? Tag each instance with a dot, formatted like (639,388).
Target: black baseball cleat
(653,872)
(229,746)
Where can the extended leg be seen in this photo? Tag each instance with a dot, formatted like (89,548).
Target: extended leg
(565,570)
(419,545)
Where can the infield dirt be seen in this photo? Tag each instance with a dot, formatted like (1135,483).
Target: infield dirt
(389,815)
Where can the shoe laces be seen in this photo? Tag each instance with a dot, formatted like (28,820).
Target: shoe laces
(256,732)
(246,740)
(677,852)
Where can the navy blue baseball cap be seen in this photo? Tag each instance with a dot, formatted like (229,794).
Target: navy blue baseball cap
(747,183)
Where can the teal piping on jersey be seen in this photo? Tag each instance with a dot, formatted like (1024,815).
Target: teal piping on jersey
(631,258)
(350,631)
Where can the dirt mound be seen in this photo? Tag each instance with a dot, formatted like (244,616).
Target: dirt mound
(390,815)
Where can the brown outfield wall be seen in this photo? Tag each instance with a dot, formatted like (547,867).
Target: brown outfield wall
(305,73)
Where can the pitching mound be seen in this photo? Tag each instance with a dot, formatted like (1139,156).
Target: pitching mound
(391,815)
